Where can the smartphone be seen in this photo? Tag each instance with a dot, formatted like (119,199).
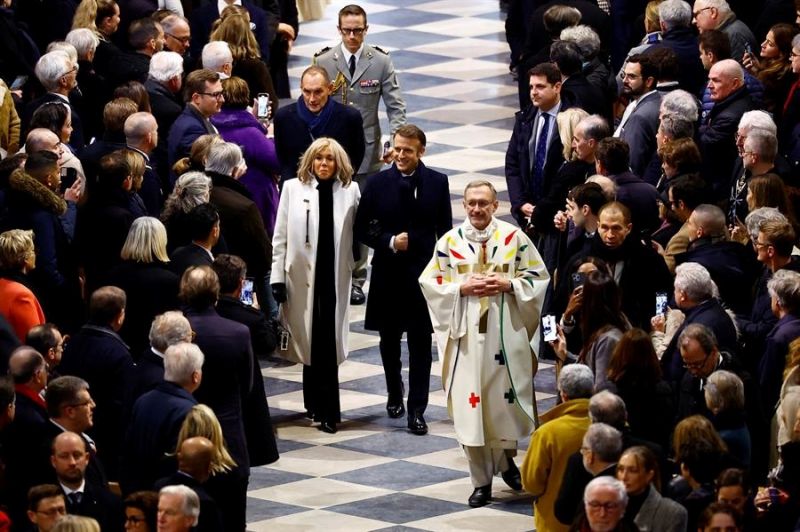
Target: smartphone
(246,296)
(387,149)
(577,279)
(661,303)
(748,49)
(68,178)
(18,83)
(549,326)
(284,343)
(263,105)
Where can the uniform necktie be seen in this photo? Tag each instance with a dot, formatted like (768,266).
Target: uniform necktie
(75,498)
(352,65)
(539,158)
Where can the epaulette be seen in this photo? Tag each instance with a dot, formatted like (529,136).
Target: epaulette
(322,51)
(381,50)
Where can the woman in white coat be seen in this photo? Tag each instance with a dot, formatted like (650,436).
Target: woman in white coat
(312,264)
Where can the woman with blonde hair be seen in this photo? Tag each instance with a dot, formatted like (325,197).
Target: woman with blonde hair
(247,61)
(18,303)
(201,421)
(147,197)
(151,287)
(567,122)
(76,523)
(312,265)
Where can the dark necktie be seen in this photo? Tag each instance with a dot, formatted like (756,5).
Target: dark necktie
(352,65)
(75,498)
(537,173)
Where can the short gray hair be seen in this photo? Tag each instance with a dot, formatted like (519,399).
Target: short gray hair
(724,391)
(607,482)
(720,5)
(595,127)
(165,65)
(181,361)
(168,329)
(675,14)
(576,381)
(216,54)
(84,40)
(785,287)
(64,46)
(675,127)
(711,219)
(585,37)
(680,103)
(191,502)
(758,120)
(796,41)
(51,67)
(224,158)
(756,219)
(603,440)
(170,22)
(763,143)
(608,408)
(138,125)
(607,184)
(694,279)
(700,334)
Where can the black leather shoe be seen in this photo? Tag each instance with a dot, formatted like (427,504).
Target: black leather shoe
(395,410)
(511,476)
(328,426)
(357,296)
(480,497)
(417,425)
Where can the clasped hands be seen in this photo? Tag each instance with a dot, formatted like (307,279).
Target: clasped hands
(484,285)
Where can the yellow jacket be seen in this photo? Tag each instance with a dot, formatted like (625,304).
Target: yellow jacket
(9,121)
(546,459)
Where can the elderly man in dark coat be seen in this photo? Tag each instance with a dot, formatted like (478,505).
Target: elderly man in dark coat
(227,382)
(157,418)
(403,212)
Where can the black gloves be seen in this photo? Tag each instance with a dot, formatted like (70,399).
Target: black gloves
(279,292)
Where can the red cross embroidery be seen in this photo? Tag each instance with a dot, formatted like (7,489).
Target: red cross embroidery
(474,399)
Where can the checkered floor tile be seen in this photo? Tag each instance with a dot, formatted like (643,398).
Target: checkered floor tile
(451,57)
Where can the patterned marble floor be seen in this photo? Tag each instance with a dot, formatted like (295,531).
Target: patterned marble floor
(451,57)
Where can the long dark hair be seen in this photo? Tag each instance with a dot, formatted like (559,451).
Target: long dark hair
(601,309)
(635,357)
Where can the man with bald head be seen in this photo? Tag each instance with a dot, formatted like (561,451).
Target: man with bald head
(194,468)
(141,135)
(69,458)
(718,132)
(731,265)
(43,139)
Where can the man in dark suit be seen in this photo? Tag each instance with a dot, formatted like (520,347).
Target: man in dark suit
(203,95)
(403,212)
(263,20)
(677,34)
(639,123)
(228,371)
(141,136)
(115,113)
(205,230)
(164,83)
(157,417)
(146,37)
(98,355)
(28,370)
(316,115)
(612,160)
(533,158)
(58,74)
(70,458)
(167,329)
(194,469)
(575,89)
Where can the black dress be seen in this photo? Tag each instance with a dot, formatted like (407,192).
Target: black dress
(321,378)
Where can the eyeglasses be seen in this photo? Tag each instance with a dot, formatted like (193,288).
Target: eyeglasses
(215,95)
(757,244)
(695,13)
(84,403)
(792,54)
(696,365)
(355,32)
(74,69)
(182,40)
(607,506)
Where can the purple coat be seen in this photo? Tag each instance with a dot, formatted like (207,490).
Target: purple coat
(241,127)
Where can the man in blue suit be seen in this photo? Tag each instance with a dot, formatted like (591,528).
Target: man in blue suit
(203,95)
(403,212)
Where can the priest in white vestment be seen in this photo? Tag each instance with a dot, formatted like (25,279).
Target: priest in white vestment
(484,287)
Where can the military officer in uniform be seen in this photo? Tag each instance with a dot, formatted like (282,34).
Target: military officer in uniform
(363,74)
